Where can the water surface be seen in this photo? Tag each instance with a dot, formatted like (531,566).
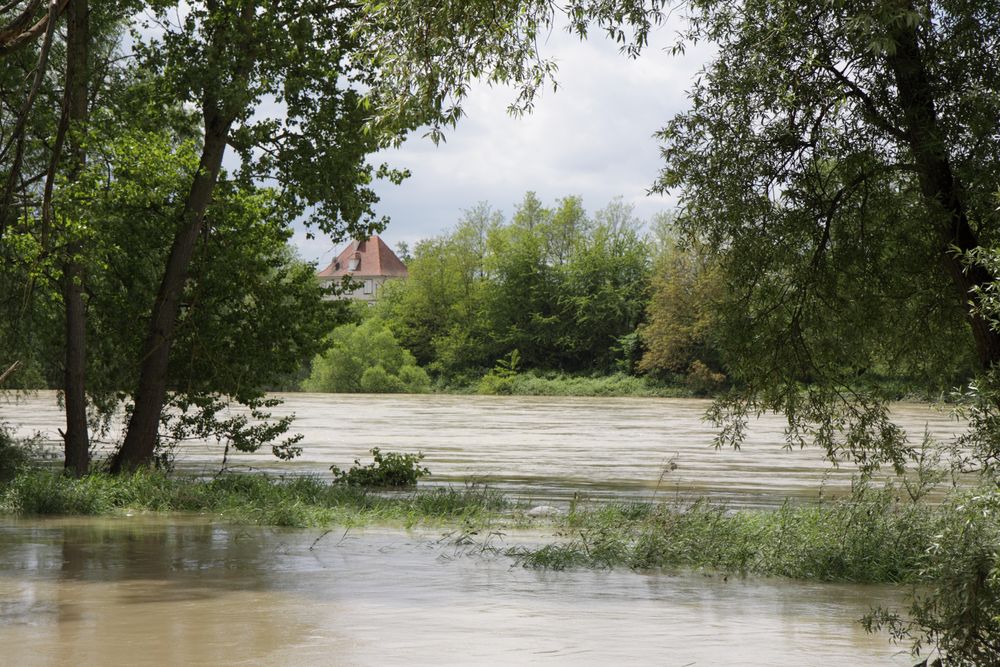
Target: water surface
(544,448)
(187,591)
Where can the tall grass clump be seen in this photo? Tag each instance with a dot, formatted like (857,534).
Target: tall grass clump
(51,492)
(870,537)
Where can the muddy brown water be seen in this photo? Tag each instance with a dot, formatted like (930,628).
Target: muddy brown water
(156,591)
(193,591)
(542,448)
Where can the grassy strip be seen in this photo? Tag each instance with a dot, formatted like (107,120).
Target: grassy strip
(251,499)
(872,537)
(538,383)
(527,384)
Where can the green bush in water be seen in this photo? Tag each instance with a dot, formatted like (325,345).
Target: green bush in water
(389,469)
(366,358)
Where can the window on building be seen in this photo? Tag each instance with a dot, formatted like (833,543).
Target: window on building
(368,286)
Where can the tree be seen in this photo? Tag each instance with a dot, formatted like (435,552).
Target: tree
(830,160)
(680,332)
(224,58)
(604,289)
(366,358)
(521,308)
(438,312)
(252,314)
(566,227)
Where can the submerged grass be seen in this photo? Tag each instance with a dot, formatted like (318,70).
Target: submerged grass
(253,499)
(871,537)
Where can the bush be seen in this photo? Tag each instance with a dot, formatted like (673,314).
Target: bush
(15,455)
(956,609)
(51,492)
(500,379)
(389,469)
(367,358)
(377,380)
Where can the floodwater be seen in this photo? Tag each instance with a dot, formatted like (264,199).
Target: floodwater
(155,591)
(542,448)
(190,591)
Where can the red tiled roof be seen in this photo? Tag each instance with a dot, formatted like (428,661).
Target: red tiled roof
(373,258)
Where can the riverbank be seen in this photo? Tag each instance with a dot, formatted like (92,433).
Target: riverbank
(561,384)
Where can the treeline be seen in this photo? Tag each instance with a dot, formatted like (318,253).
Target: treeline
(552,290)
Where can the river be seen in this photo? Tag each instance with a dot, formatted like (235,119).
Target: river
(145,590)
(541,448)
(196,591)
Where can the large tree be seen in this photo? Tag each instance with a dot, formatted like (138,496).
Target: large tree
(227,59)
(841,158)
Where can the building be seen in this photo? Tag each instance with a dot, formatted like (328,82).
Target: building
(370,262)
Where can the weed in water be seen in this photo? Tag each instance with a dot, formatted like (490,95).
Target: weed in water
(387,470)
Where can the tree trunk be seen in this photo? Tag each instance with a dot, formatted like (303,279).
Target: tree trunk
(140,439)
(940,188)
(76,438)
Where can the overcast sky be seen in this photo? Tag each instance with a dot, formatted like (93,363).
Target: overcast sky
(592,137)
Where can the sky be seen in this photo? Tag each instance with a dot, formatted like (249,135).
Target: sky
(593,137)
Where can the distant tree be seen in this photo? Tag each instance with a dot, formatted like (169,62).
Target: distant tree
(403,252)
(566,228)
(604,292)
(530,213)
(366,358)
(682,316)
(522,307)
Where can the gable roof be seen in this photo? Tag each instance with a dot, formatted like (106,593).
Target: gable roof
(371,257)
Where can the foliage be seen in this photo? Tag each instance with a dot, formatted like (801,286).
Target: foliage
(366,357)
(682,315)
(500,379)
(564,290)
(386,470)
(836,173)
(437,313)
(15,454)
(536,383)
(212,417)
(253,312)
(497,41)
(958,615)
(869,537)
(254,499)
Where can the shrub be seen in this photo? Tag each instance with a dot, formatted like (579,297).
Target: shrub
(500,379)
(367,358)
(15,455)
(389,469)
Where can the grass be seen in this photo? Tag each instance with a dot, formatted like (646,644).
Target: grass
(251,499)
(872,537)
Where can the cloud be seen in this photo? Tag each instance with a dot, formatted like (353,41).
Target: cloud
(592,137)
